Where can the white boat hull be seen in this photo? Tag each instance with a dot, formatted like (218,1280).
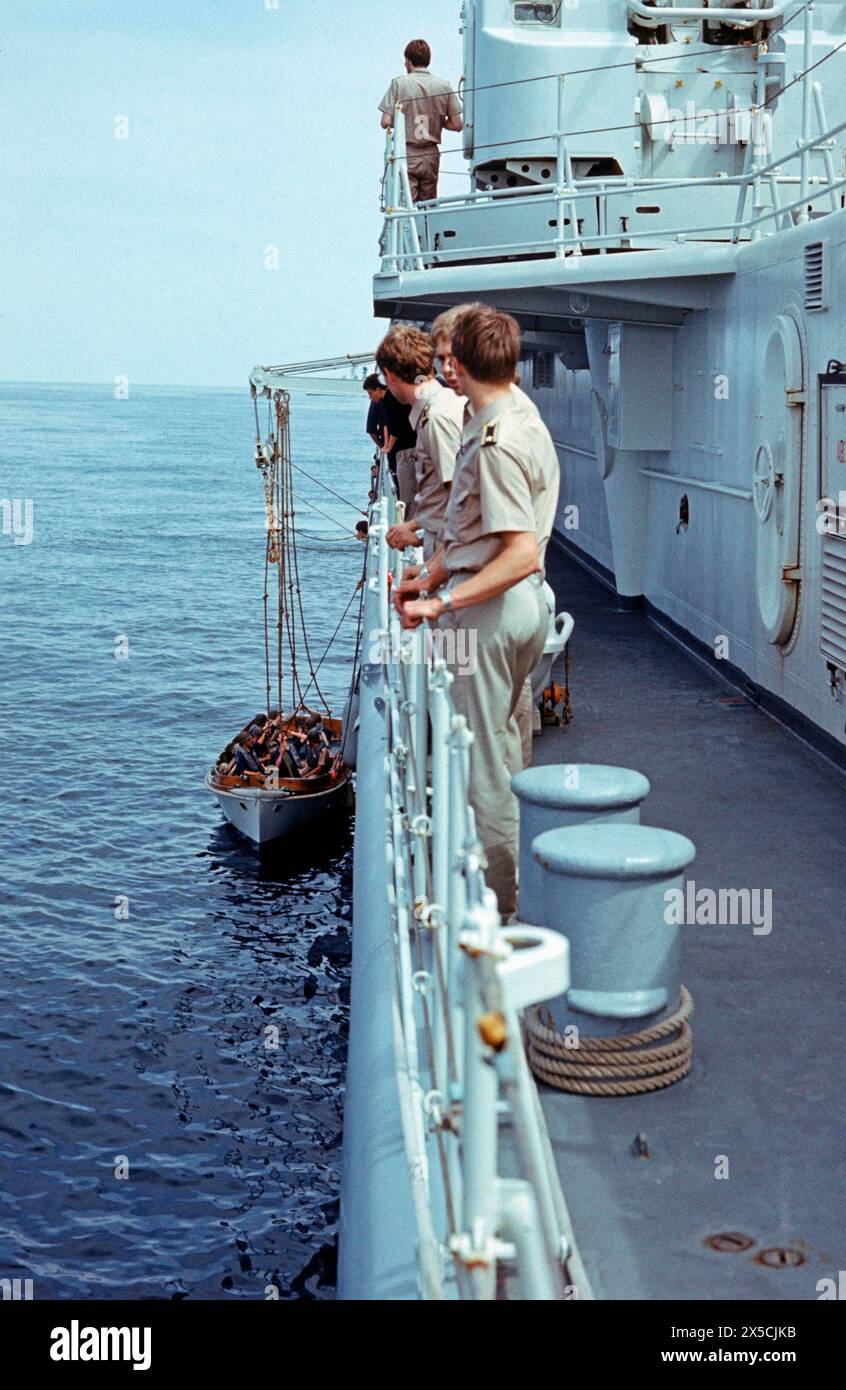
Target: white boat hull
(264,816)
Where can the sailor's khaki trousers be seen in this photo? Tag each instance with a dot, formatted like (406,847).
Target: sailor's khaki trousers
(407,478)
(496,647)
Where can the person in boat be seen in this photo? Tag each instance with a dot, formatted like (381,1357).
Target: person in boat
(262,744)
(283,760)
(407,358)
(314,724)
(430,106)
(318,759)
(254,728)
(245,758)
(487,576)
(226,762)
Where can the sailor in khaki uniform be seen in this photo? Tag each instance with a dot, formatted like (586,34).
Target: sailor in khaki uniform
(430,106)
(442,339)
(489,574)
(438,417)
(407,358)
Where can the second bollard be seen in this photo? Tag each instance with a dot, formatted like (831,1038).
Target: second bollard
(605,887)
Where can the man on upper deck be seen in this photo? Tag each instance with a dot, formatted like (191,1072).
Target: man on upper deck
(430,106)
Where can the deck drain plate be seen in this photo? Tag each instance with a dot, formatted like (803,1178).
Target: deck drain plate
(780,1257)
(730,1242)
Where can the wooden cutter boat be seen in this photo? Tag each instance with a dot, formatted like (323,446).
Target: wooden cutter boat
(265,808)
(263,813)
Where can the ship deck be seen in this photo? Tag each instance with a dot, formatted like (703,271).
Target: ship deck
(767,1083)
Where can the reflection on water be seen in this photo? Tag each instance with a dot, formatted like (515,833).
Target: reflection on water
(174,1008)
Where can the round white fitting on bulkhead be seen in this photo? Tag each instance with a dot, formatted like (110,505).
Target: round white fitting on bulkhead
(564,795)
(605,888)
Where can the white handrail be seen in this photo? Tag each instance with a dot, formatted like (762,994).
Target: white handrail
(817,186)
(457,969)
(735,16)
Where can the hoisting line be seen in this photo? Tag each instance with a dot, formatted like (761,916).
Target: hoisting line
(346,501)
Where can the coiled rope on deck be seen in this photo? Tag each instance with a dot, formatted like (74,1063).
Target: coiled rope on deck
(625,1065)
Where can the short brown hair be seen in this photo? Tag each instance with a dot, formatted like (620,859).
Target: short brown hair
(418,53)
(407,352)
(487,343)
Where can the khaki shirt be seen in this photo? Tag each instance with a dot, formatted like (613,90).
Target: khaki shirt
(438,417)
(427,102)
(519,398)
(506,479)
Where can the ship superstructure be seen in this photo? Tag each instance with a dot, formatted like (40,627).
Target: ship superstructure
(657,196)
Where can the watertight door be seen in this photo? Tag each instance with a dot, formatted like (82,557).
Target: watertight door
(777,480)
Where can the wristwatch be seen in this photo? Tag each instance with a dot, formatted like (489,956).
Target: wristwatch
(446,600)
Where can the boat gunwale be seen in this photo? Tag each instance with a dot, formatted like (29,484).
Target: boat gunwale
(271,793)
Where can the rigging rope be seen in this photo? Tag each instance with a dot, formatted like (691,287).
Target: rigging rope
(325,654)
(304,502)
(273,459)
(320,483)
(295,586)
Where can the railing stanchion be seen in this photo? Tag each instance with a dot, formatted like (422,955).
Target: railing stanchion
(565,185)
(807,99)
(824,145)
(404,200)
(479,1127)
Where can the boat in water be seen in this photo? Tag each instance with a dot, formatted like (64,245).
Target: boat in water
(265,813)
(286,771)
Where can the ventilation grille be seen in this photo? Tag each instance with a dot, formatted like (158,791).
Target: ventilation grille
(833,635)
(814,276)
(543,372)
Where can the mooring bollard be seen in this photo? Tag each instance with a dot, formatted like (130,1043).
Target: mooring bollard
(565,795)
(604,888)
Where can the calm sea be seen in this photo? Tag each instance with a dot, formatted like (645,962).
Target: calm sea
(151,1144)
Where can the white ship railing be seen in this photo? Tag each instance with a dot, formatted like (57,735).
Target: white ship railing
(459,981)
(412,241)
(742,18)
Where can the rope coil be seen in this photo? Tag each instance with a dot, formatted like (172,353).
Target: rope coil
(621,1065)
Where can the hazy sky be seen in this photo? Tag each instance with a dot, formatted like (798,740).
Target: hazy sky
(250,126)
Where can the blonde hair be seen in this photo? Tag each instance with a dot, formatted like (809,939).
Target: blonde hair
(444,324)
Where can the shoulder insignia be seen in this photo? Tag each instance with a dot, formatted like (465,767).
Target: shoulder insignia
(490,434)
(424,417)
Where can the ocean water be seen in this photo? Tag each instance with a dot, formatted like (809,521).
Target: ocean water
(152,1145)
